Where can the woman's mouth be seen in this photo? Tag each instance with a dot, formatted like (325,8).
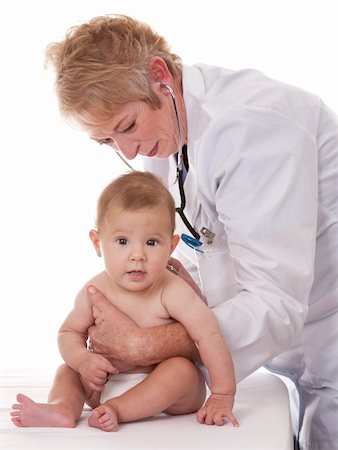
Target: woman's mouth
(153,152)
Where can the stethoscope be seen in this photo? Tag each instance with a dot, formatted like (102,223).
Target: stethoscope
(192,241)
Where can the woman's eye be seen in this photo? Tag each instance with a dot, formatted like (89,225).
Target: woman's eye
(152,242)
(130,127)
(122,241)
(108,141)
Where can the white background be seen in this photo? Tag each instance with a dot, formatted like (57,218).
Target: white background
(52,174)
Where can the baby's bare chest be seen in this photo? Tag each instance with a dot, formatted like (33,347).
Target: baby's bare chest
(146,312)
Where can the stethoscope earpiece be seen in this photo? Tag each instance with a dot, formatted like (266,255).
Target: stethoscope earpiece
(168,89)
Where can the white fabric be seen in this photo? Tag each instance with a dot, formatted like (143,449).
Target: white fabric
(317,394)
(263,177)
(261,408)
(120,383)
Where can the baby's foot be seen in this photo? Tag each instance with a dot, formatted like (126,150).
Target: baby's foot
(104,417)
(27,413)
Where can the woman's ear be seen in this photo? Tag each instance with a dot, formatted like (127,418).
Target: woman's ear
(94,236)
(174,242)
(159,72)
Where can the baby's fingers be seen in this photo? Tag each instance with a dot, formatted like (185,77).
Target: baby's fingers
(201,415)
(209,418)
(111,369)
(234,421)
(96,384)
(104,365)
(231,418)
(204,416)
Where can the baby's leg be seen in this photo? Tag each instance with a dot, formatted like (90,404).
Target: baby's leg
(64,407)
(175,386)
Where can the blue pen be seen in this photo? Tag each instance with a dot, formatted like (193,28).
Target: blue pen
(192,242)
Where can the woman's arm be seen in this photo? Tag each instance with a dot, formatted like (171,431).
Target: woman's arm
(266,199)
(125,344)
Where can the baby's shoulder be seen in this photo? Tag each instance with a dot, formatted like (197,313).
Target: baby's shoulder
(175,284)
(98,281)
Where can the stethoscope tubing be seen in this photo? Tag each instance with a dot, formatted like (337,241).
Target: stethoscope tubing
(182,159)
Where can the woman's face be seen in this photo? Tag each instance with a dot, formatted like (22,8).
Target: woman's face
(140,130)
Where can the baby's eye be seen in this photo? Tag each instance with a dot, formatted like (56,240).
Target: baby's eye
(152,242)
(122,241)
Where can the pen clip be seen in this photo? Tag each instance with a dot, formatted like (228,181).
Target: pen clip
(192,242)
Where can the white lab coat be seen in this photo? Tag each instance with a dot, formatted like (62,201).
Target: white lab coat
(263,177)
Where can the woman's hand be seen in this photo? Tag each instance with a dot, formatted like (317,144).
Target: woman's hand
(126,345)
(113,333)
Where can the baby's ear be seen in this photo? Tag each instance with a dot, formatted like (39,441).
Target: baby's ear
(174,242)
(94,236)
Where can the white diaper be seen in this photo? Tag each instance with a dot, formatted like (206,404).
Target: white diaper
(120,383)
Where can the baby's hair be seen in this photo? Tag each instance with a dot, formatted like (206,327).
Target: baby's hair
(132,191)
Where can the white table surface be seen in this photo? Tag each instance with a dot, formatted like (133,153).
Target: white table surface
(262,408)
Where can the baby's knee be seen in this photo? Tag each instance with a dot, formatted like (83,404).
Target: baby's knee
(182,366)
(64,370)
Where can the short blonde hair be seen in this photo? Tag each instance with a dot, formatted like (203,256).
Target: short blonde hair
(132,191)
(104,64)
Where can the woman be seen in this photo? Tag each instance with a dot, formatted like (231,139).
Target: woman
(260,228)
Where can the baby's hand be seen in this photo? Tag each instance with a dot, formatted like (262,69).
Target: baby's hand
(217,408)
(94,370)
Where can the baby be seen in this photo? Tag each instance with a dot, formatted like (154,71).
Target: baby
(134,234)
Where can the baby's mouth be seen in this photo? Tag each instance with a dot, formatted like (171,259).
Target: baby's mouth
(136,275)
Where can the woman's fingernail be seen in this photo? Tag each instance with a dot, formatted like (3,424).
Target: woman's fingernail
(91,290)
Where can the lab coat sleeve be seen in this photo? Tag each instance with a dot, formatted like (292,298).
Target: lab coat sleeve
(264,189)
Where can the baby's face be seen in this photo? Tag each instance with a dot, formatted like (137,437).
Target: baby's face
(136,245)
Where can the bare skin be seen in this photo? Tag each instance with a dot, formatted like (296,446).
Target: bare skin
(27,413)
(57,412)
(126,345)
(157,393)
(105,417)
(174,386)
(137,403)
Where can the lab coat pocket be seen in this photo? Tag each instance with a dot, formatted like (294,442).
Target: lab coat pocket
(217,275)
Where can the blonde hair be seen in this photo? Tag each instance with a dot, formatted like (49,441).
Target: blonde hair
(132,191)
(103,64)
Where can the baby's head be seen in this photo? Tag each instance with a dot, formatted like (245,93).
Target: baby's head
(134,191)
(135,230)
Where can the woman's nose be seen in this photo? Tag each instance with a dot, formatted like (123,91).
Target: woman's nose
(127,147)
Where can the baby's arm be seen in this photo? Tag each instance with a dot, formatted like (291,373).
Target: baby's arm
(72,340)
(185,306)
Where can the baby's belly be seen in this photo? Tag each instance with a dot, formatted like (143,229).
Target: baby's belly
(141,369)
